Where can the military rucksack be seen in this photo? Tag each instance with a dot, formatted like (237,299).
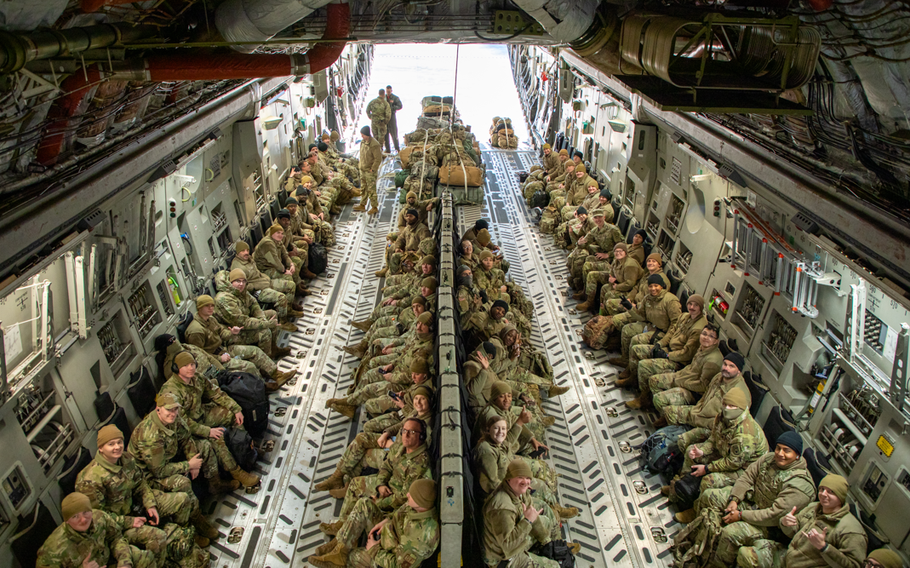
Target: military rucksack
(248,391)
(595,333)
(539,199)
(660,453)
(548,220)
(317,259)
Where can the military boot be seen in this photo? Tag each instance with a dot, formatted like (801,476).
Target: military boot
(297,307)
(618,361)
(565,512)
(625,374)
(613,343)
(548,421)
(579,296)
(337,557)
(356,350)
(272,386)
(627,382)
(246,479)
(332,528)
(282,377)
(373,211)
(360,207)
(588,304)
(302,289)
(287,326)
(643,401)
(201,541)
(306,273)
(685,517)
(341,407)
(326,548)
(203,527)
(364,325)
(279,352)
(218,486)
(333,481)
(555,391)
(659,423)
(383,272)
(574,547)
(339,492)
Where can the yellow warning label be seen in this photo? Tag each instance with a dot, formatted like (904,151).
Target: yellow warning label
(885,446)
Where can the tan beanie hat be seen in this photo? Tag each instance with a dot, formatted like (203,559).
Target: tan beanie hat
(655,256)
(423,391)
(485,255)
(547,147)
(168,400)
(241,246)
(429,282)
(306,179)
(410,195)
(429,259)
(580,168)
(237,274)
(837,484)
(737,398)
(335,136)
(418,299)
(275,229)
(75,503)
(887,558)
(423,491)
(518,468)
(419,366)
(483,237)
(563,152)
(108,433)
(697,299)
(425,318)
(203,301)
(621,246)
(498,389)
(183,359)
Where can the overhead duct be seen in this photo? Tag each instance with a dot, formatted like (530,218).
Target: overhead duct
(576,22)
(246,22)
(64,115)
(218,66)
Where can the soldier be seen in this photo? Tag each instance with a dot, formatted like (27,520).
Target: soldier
(673,352)
(466,297)
(550,160)
(407,462)
(611,301)
(209,335)
(113,478)
(380,113)
(408,239)
(370,160)
(637,249)
(272,258)
(685,386)
(621,274)
(735,441)
(207,412)
(303,230)
(261,287)
(776,483)
(406,538)
(156,441)
(236,307)
(823,534)
(596,245)
(520,440)
(490,279)
(90,538)
(701,414)
(513,524)
(883,558)
(654,315)
(392,127)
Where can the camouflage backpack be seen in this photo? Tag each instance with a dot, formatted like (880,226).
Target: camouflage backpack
(694,545)
(595,333)
(548,220)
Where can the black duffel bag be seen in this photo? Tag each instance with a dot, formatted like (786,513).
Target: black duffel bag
(556,550)
(318,258)
(240,444)
(687,489)
(248,391)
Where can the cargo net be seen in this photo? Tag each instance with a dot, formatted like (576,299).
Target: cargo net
(502,135)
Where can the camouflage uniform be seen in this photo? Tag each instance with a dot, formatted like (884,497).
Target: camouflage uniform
(273,260)
(264,289)
(845,540)
(384,403)
(370,160)
(110,488)
(680,388)
(182,549)
(774,492)
(611,298)
(211,336)
(598,239)
(728,450)
(408,241)
(393,422)
(654,313)
(102,542)
(398,471)
(491,463)
(379,112)
(509,536)
(201,417)
(680,343)
(701,414)
(637,252)
(519,437)
(491,281)
(236,308)
(154,444)
(467,300)
(206,364)
(626,272)
(409,538)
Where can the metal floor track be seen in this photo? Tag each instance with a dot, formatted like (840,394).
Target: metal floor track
(281,522)
(624,520)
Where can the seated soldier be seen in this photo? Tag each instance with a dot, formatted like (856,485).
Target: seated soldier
(405,463)
(637,248)
(168,347)
(399,352)
(652,316)
(260,286)
(619,276)
(521,439)
(823,534)
(686,386)
(408,239)
(701,415)
(471,235)
(485,324)
(467,297)
(369,447)
(235,307)
(612,301)
(388,327)
(90,538)
(515,364)
(769,488)
(673,352)
(207,412)
(112,479)
(272,258)
(883,558)
(223,342)
(160,436)
(515,522)
(490,279)
(596,245)
(407,537)
(400,383)
(734,442)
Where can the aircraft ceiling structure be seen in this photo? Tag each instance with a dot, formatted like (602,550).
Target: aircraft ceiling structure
(84,78)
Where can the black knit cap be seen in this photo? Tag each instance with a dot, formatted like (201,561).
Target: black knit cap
(500,304)
(322,146)
(284,213)
(413,212)
(365,131)
(737,359)
(656,279)
(792,440)
(581,210)
(481,224)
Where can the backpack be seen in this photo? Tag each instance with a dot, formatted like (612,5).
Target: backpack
(558,551)
(249,392)
(240,444)
(522,176)
(318,259)
(659,453)
(548,220)
(687,489)
(539,199)
(594,334)
(400,176)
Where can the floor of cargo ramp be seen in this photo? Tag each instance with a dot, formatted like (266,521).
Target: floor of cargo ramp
(280,523)
(624,520)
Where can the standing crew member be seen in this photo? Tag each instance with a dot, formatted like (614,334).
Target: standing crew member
(392,127)
(379,112)
(370,160)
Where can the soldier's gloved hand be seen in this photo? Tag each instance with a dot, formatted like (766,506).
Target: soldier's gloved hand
(659,353)
(626,303)
(484,297)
